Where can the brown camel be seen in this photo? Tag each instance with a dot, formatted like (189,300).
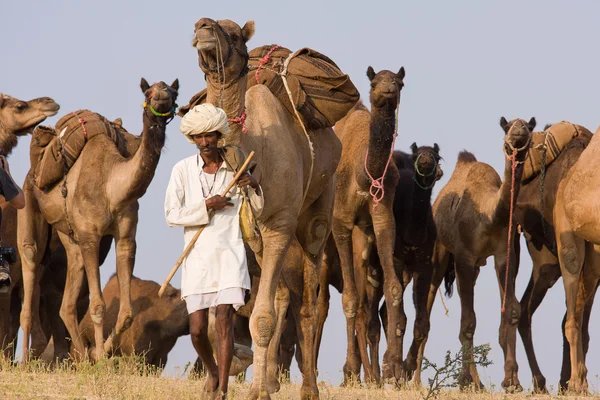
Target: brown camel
(289,220)
(96,204)
(367,144)
(472,218)
(17,118)
(536,220)
(158,322)
(576,221)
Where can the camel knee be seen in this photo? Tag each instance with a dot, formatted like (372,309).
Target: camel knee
(28,254)
(512,314)
(350,305)
(421,330)
(569,259)
(572,330)
(97,313)
(262,327)
(467,329)
(395,294)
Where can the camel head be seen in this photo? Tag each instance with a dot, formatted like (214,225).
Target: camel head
(160,98)
(517,137)
(222,47)
(385,87)
(18,117)
(426,161)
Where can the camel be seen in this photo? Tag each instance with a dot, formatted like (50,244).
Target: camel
(536,220)
(473,221)
(158,322)
(17,118)
(575,222)
(297,215)
(367,144)
(97,205)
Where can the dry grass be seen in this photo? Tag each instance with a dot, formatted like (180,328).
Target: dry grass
(128,378)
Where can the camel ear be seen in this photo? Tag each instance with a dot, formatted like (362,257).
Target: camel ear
(248,31)
(547,126)
(531,124)
(401,73)
(175,85)
(414,147)
(436,148)
(370,73)
(1,100)
(503,123)
(144,85)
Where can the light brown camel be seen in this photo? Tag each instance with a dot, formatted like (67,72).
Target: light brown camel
(289,220)
(536,220)
(471,216)
(367,143)
(17,118)
(576,221)
(100,202)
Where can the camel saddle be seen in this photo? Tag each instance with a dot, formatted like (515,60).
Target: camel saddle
(321,93)
(554,138)
(55,150)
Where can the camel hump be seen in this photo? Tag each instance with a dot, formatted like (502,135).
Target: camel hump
(466,157)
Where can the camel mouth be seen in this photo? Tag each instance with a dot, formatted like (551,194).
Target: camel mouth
(206,45)
(204,39)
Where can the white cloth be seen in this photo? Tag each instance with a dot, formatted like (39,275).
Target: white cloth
(204,118)
(233,296)
(218,259)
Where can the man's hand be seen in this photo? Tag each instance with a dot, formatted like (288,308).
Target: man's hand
(218,202)
(247,179)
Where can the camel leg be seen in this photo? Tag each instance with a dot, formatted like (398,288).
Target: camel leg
(276,241)
(125,252)
(361,254)
(571,254)
(287,347)
(324,295)
(88,245)
(73,284)
(32,238)
(465,280)
(385,237)
(374,291)
(545,273)
(421,287)
(509,320)
(440,263)
(342,233)
(282,301)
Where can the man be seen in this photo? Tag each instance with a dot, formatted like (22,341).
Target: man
(215,273)
(10,194)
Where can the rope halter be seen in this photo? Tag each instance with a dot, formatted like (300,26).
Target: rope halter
(421,174)
(170,113)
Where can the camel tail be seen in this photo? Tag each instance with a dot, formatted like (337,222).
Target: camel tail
(450,276)
(466,157)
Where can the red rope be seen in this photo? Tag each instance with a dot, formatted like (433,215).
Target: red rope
(81,122)
(510,223)
(377,189)
(241,120)
(265,60)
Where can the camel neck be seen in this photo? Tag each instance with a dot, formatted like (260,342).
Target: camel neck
(140,168)
(504,194)
(381,137)
(230,96)
(8,141)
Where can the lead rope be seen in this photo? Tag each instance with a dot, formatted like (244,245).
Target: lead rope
(377,189)
(283,75)
(446,311)
(510,223)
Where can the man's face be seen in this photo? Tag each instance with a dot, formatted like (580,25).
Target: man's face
(206,142)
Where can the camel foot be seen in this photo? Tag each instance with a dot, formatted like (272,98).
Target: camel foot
(539,384)
(512,389)
(212,383)
(393,372)
(257,393)
(309,392)
(511,384)
(273,385)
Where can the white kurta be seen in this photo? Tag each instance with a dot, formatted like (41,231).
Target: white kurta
(218,259)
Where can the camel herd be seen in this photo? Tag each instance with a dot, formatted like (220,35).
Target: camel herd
(342,209)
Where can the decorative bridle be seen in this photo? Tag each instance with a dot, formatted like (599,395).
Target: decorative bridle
(171,113)
(422,175)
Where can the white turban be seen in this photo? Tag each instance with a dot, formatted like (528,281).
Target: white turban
(204,118)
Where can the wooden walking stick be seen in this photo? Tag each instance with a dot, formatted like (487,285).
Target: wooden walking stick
(197,235)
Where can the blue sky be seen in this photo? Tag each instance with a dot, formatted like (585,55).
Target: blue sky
(467,64)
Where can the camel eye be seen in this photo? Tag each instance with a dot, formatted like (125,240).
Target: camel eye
(21,106)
